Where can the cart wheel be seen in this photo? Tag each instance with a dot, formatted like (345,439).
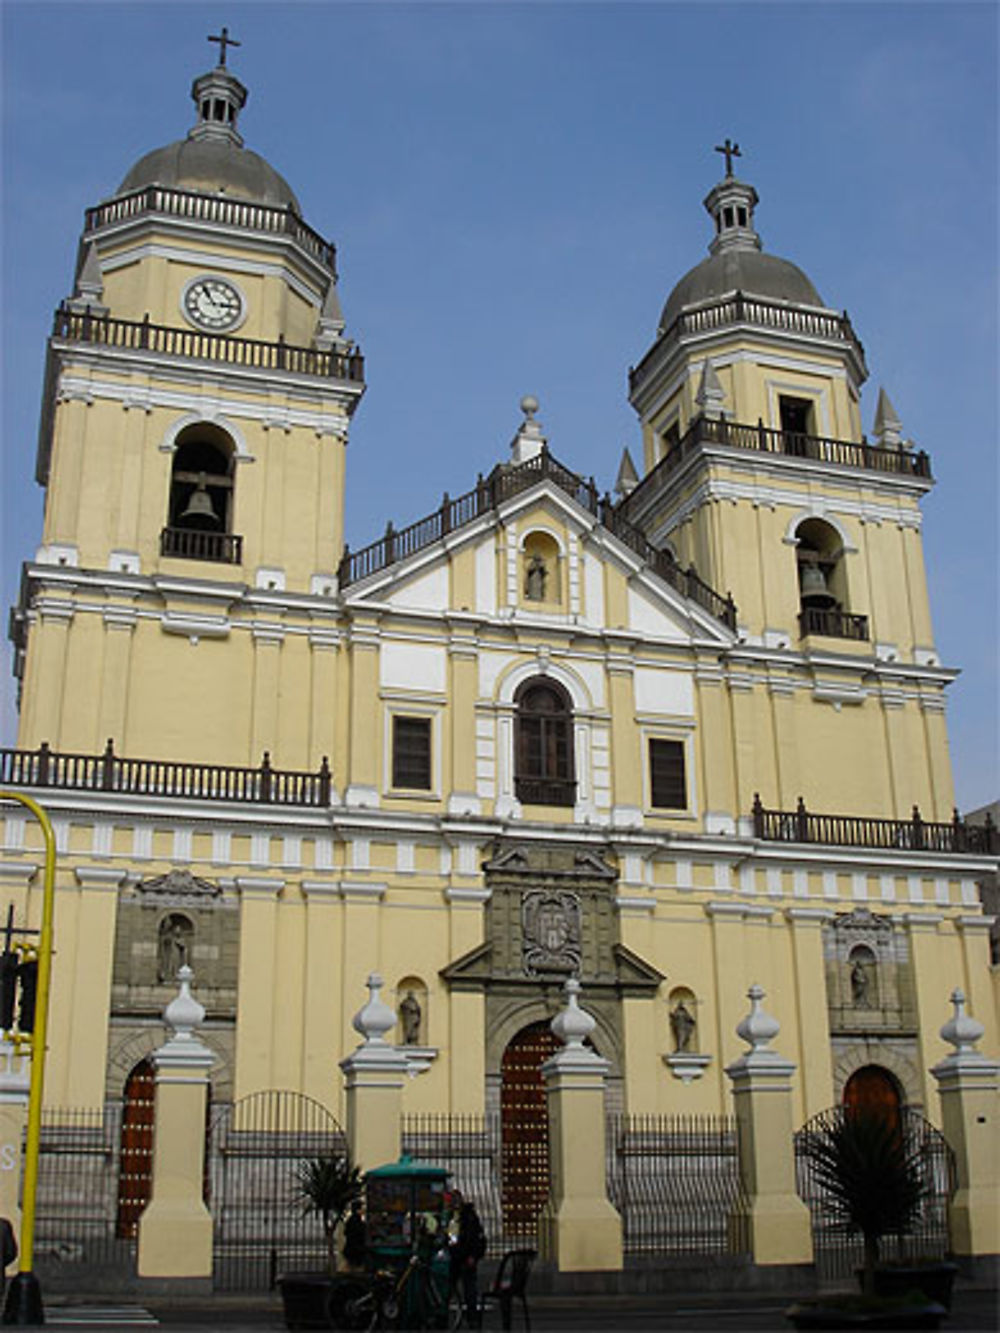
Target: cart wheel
(351,1306)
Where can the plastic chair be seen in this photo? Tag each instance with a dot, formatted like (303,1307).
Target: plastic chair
(510,1284)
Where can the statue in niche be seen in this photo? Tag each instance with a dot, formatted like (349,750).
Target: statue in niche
(173,947)
(863,980)
(682,1025)
(410,1015)
(535,579)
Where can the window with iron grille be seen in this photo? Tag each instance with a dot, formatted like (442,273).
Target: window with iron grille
(411,753)
(544,771)
(667,781)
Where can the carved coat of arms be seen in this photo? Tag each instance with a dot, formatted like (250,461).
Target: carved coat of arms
(550,925)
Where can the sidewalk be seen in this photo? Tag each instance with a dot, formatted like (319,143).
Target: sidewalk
(728,1313)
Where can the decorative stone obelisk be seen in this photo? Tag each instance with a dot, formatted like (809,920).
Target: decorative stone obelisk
(175,1231)
(579,1228)
(374,1075)
(773,1219)
(968,1084)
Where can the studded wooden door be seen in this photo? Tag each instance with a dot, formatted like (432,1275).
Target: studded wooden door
(135,1162)
(524,1124)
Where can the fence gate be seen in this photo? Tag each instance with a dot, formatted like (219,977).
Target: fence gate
(837,1254)
(254,1149)
(79,1198)
(675,1180)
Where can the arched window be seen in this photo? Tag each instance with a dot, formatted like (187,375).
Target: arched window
(199,519)
(543,768)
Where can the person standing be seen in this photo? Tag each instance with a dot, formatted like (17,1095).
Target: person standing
(8,1251)
(469,1248)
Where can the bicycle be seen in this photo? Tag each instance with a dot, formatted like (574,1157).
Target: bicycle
(418,1298)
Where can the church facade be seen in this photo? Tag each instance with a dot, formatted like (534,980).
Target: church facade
(672,742)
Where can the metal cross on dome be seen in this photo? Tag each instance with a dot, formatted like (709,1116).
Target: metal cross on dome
(731,150)
(225,40)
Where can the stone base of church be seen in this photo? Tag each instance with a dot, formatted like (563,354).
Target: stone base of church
(680,1273)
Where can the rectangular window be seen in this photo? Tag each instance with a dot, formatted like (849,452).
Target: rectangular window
(667,784)
(411,753)
(796,415)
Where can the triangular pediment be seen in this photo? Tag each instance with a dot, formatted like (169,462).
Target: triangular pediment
(420,580)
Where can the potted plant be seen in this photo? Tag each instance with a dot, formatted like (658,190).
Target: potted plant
(870,1170)
(325,1187)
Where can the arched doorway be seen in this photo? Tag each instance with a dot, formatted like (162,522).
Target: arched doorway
(524,1128)
(873,1088)
(135,1158)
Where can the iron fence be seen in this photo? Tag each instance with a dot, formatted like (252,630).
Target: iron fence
(470,1148)
(838,1254)
(675,1180)
(76,1221)
(255,1148)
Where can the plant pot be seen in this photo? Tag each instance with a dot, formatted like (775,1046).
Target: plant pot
(935,1280)
(306,1298)
(874,1313)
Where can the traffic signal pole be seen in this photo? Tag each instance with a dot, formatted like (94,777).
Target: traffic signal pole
(24,1296)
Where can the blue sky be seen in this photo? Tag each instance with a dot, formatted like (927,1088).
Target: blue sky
(514,189)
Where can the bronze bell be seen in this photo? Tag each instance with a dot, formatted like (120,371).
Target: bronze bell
(199,511)
(813,586)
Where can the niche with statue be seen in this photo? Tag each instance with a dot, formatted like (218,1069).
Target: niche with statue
(685,1059)
(411,1004)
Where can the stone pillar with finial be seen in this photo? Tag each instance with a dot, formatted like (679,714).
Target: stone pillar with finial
(969,1087)
(579,1228)
(374,1075)
(15,1078)
(771,1220)
(175,1231)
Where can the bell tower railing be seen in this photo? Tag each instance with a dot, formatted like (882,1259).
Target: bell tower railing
(77,326)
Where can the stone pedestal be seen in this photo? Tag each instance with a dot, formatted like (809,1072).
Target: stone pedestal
(374,1076)
(175,1231)
(15,1078)
(580,1229)
(772,1219)
(969,1087)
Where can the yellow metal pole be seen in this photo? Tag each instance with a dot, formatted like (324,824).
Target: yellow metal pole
(24,1300)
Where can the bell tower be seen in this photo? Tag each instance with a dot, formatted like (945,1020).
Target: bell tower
(756,470)
(198,393)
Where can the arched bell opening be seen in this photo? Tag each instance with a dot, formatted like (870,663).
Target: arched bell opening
(201,481)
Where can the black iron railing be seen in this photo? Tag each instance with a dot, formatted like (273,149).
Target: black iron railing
(505,482)
(140,335)
(786,443)
(109,772)
(832,622)
(190,544)
(909,835)
(676,1182)
(220,209)
(738,308)
(545,791)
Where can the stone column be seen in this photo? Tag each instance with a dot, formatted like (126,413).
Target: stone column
(175,1231)
(15,1077)
(772,1218)
(374,1075)
(968,1085)
(579,1228)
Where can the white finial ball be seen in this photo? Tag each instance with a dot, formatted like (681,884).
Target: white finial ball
(529,405)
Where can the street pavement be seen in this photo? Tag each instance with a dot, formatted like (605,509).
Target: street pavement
(728,1312)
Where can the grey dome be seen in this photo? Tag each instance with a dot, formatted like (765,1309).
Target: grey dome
(214,166)
(738,269)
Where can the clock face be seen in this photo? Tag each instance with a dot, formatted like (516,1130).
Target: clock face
(213,303)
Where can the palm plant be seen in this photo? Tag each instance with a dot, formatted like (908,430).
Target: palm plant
(327,1186)
(871,1172)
